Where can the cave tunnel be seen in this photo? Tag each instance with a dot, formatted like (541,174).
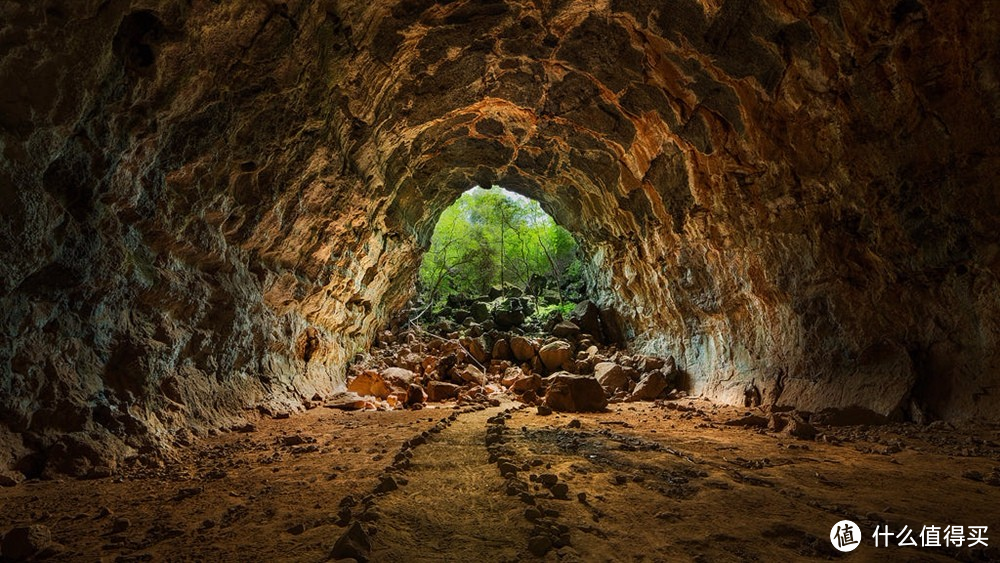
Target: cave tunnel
(212,211)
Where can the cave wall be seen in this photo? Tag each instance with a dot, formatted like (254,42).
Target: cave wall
(212,206)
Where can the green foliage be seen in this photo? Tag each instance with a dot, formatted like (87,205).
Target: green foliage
(564,308)
(493,238)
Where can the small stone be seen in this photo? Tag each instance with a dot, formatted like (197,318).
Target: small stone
(507,469)
(801,429)
(120,525)
(539,545)
(548,479)
(386,484)
(748,421)
(354,543)
(297,529)
(9,479)
(575,423)
(974,475)
(543,410)
(560,491)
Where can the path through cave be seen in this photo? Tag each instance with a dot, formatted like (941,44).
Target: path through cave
(211,209)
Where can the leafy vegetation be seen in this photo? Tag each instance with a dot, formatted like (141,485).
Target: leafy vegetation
(495,238)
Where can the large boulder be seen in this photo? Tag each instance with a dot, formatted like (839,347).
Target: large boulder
(522,348)
(565,329)
(369,383)
(526,383)
(501,350)
(438,391)
(556,354)
(415,395)
(398,378)
(470,374)
(650,386)
(587,316)
(26,543)
(611,376)
(506,319)
(574,393)
(476,348)
(480,311)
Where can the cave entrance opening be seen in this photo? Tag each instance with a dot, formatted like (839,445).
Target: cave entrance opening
(496,258)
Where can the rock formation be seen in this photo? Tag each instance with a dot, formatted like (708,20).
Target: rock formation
(210,207)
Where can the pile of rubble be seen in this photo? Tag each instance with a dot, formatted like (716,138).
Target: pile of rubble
(564,368)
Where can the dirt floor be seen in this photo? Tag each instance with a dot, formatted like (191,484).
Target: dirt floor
(664,481)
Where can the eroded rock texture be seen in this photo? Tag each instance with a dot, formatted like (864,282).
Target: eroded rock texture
(213,205)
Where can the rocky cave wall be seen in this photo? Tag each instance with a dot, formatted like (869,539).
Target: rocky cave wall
(212,206)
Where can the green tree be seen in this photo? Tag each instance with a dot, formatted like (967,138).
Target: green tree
(494,237)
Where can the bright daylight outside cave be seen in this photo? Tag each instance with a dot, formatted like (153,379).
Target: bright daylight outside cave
(499,280)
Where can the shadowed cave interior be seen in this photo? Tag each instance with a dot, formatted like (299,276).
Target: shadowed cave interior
(214,214)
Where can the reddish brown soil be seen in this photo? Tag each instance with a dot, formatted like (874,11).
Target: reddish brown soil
(660,482)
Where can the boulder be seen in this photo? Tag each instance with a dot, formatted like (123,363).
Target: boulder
(587,316)
(848,416)
(650,363)
(410,361)
(508,319)
(526,383)
(799,428)
(611,377)
(565,329)
(429,365)
(750,420)
(574,393)
(501,350)
(611,326)
(471,374)
(522,349)
(510,375)
(480,311)
(369,383)
(438,391)
(415,395)
(399,378)
(650,386)
(347,401)
(25,543)
(10,478)
(555,354)
(354,544)
(476,348)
